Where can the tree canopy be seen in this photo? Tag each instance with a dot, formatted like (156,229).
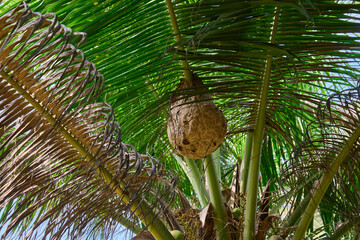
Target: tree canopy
(83,140)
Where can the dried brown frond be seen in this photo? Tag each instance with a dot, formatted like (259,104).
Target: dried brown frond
(54,140)
(338,119)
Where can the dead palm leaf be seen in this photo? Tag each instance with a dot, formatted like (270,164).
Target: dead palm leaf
(55,141)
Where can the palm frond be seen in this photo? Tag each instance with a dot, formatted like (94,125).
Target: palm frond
(326,138)
(56,144)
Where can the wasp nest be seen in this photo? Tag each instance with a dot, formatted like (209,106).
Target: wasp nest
(196,127)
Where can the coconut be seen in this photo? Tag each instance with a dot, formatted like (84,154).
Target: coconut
(196,127)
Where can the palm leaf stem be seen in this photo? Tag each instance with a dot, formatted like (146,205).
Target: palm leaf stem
(217,161)
(216,199)
(141,209)
(193,173)
(196,182)
(292,219)
(341,231)
(130,225)
(296,215)
(253,181)
(324,184)
(175,27)
(245,163)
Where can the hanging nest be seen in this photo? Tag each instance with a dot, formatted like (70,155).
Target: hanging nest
(196,127)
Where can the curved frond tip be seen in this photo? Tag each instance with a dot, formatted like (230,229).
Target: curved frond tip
(55,141)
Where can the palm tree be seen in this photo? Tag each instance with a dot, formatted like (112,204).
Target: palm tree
(284,74)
